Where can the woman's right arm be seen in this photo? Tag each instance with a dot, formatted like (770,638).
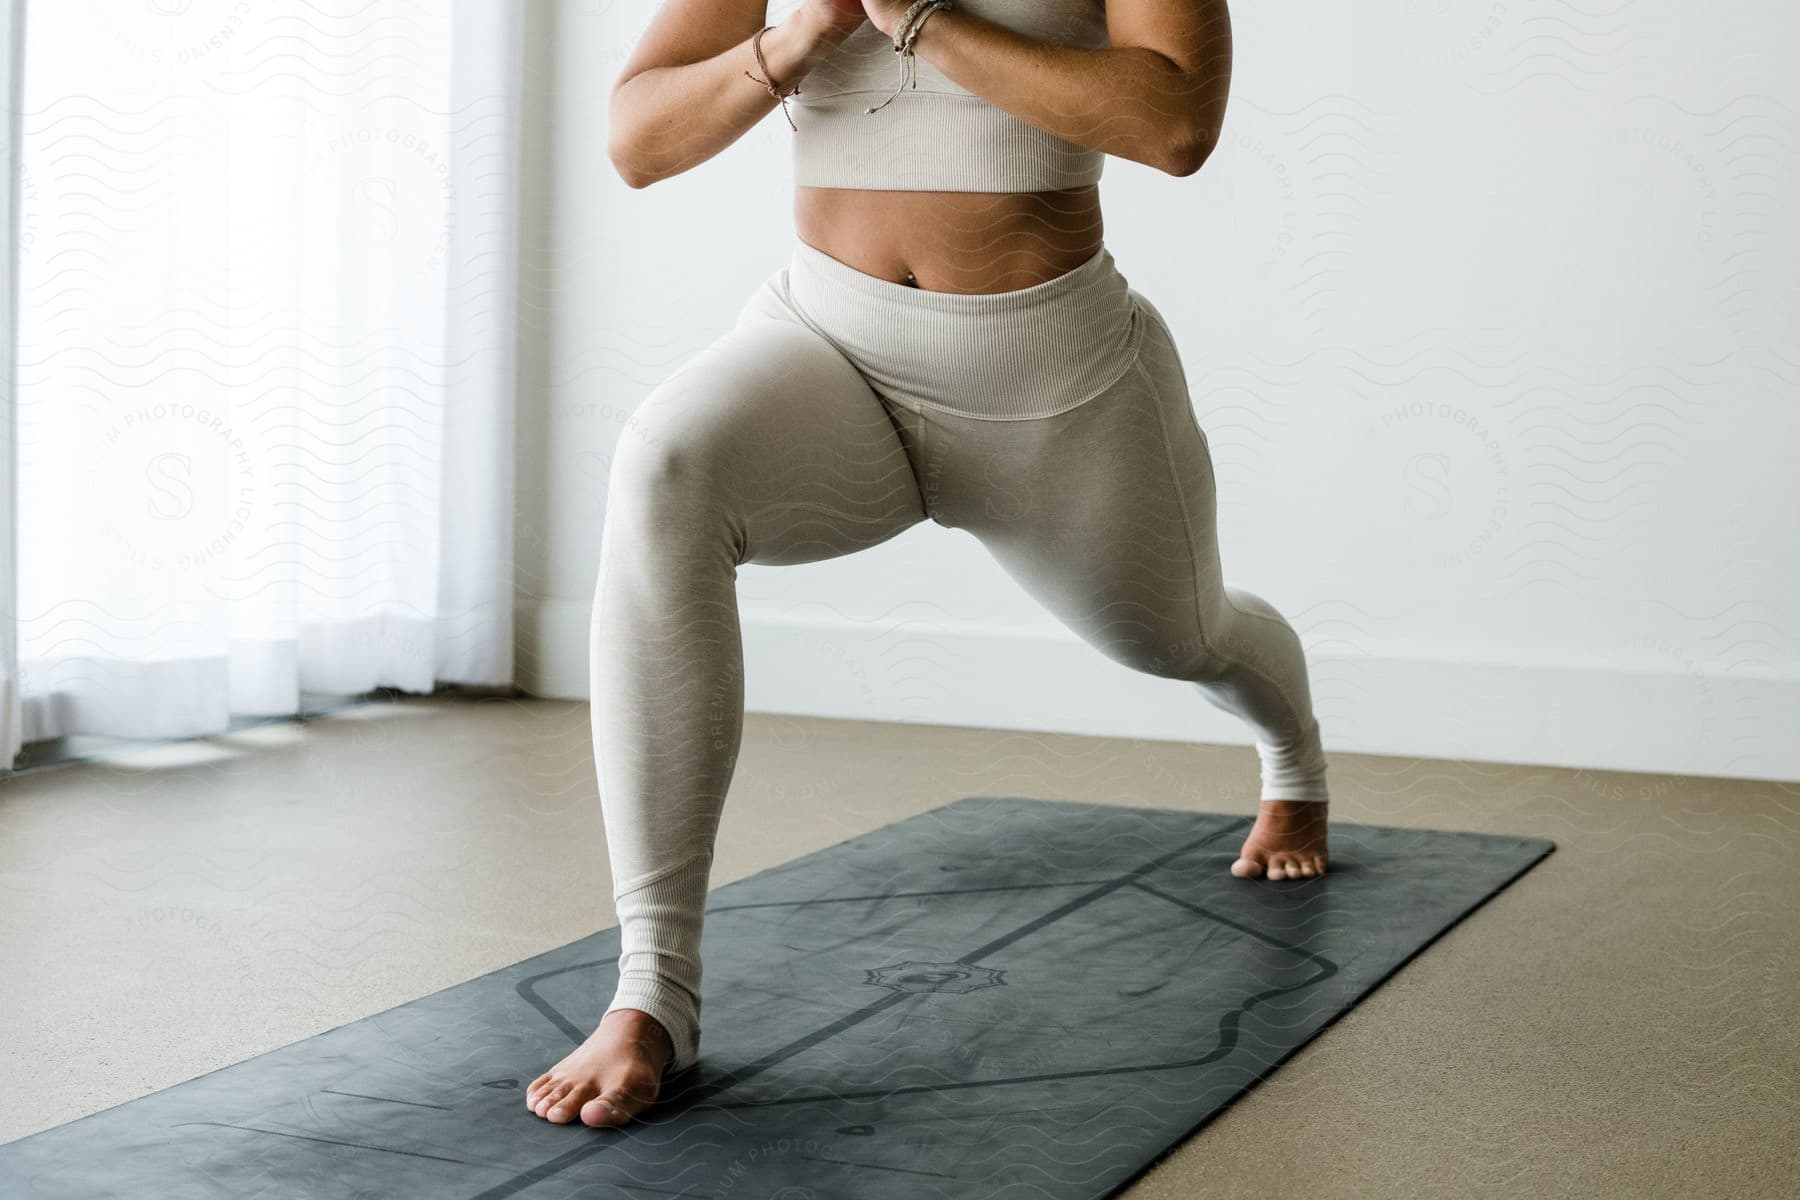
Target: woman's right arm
(682,97)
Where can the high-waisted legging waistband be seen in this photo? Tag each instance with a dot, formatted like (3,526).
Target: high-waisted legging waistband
(1030,352)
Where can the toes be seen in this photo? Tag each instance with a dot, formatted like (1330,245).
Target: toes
(1254,863)
(547,1097)
(1246,868)
(606,1109)
(535,1089)
(555,1098)
(617,1105)
(567,1105)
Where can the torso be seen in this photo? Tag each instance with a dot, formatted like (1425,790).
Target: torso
(953,241)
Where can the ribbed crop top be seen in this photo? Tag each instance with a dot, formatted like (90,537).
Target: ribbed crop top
(938,136)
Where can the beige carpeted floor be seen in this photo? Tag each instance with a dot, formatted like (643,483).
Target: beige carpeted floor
(1620,1022)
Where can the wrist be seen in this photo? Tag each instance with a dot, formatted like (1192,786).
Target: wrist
(814,30)
(799,43)
(891,14)
(886,16)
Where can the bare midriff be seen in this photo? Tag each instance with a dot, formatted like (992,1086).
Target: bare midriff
(970,242)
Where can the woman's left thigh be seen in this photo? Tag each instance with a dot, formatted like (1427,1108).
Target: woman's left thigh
(1106,512)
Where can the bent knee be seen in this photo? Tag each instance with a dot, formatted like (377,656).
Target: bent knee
(1188,646)
(668,454)
(1193,658)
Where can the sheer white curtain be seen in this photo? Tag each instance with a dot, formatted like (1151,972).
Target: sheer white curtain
(265,356)
(12,28)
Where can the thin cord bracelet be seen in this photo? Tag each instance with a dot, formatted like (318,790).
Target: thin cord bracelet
(904,34)
(769,83)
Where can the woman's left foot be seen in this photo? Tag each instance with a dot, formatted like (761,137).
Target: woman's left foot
(608,1079)
(1287,841)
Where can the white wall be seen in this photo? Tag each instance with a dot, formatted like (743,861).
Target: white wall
(1489,310)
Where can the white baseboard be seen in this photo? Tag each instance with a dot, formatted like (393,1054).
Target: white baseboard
(1550,714)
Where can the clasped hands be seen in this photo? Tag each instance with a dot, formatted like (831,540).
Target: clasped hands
(883,14)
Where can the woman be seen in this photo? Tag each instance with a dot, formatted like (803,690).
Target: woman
(950,340)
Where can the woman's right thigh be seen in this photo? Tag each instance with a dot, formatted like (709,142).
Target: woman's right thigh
(770,439)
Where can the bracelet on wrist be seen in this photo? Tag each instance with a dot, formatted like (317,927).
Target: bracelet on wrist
(769,83)
(905,31)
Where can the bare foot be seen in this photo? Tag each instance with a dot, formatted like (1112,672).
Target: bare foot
(1287,842)
(608,1079)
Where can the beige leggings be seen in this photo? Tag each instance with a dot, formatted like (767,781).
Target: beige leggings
(1052,422)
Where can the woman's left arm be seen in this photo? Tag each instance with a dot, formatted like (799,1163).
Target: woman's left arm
(1157,95)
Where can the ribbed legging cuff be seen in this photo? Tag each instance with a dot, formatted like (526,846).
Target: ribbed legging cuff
(1295,770)
(659,953)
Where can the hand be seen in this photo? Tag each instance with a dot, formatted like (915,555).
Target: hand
(885,14)
(839,14)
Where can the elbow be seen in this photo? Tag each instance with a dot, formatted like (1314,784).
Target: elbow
(633,179)
(1187,148)
(620,155)
(620,150)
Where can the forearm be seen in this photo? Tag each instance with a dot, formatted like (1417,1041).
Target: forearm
(1128,101)
(665,120)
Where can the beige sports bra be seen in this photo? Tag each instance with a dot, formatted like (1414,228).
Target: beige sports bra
(938,136)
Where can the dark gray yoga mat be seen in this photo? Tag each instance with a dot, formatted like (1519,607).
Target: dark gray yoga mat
(1002,997)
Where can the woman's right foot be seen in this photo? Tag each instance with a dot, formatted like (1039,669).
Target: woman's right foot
(608,1079)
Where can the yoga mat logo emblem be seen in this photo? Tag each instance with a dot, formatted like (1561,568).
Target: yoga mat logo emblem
(954,978)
